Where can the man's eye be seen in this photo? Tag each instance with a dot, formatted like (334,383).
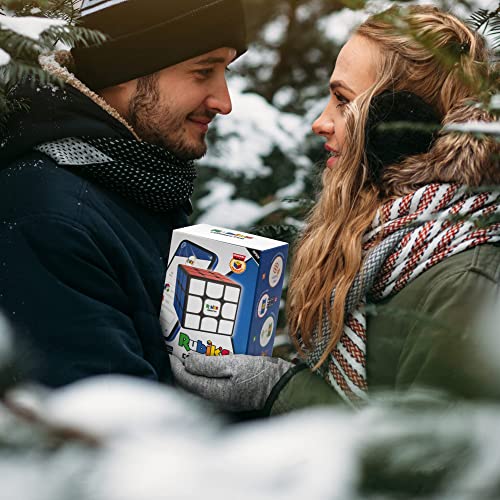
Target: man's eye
(206,72)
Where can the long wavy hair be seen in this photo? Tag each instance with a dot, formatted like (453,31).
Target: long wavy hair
(329,254)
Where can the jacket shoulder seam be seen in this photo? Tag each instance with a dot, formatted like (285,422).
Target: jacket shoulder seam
(55,218)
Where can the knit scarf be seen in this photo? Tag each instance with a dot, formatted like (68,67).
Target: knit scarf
(408,236)
(144,173)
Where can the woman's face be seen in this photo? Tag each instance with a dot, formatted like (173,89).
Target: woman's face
(354,73)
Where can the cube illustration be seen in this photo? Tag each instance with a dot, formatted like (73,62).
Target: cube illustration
(206,301)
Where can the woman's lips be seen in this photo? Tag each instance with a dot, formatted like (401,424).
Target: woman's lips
(333,156)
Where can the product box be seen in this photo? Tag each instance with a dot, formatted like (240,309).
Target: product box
(222,292)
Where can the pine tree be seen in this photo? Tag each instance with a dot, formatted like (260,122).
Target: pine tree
(56,27)
(289,64)
(488,22)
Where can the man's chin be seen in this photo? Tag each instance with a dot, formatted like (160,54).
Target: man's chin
(186,150)
(189,154)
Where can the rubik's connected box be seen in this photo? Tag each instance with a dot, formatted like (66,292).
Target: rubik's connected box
(222,292)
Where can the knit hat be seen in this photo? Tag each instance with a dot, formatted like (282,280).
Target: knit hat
(145,36)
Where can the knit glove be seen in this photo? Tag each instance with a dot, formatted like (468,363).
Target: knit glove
(236,382)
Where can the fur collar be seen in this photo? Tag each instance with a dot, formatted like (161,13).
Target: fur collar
(57,63)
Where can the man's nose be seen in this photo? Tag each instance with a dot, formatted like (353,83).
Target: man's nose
(219,101)
(323,125)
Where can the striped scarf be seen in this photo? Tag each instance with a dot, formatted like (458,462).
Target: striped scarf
(408,236)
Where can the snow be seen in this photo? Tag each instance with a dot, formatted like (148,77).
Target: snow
(303,13)
(4,57)
(31,27)
(296,188)
(105,407)
(284,96)
(275,31)
(339,26)
(220,209)
(251,132)
(475,127)
(239,213)
(173,448)
(247,462)
(245,138)
(464,11)
(6,341)
(495,101)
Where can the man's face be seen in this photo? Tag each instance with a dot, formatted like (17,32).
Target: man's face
(173,107)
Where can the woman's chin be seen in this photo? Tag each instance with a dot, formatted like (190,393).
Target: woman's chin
(330,163)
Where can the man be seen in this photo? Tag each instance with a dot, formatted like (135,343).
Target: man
(94,176)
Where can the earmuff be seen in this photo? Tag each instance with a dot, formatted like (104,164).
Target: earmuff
(399,124)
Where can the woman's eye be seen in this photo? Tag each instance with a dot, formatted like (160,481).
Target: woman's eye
(342,100)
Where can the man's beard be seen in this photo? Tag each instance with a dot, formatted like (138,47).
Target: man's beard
(161,125)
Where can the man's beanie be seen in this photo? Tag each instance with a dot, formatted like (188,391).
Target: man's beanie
(145,36)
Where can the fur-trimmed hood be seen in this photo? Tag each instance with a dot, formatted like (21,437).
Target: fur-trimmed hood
(464,158)
(52,112)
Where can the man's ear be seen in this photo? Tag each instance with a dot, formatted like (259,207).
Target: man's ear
(119,96)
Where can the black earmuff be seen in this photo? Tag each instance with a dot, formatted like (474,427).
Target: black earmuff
(399,124)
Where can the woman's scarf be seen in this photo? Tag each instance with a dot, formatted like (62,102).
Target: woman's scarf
(408,236)
(144,173)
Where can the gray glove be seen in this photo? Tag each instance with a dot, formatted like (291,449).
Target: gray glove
(236,382)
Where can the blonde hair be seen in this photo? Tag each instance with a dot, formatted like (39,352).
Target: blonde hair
(329,254)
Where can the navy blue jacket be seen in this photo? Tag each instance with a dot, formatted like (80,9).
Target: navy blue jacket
(81,268)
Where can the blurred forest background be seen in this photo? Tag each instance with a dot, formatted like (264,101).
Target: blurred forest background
(264,156)
(263,169)
(117,439)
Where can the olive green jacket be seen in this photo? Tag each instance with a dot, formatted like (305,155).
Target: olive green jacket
(426,336)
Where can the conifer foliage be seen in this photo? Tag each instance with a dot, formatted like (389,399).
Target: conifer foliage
(121,439)
(29,29)
(288,66)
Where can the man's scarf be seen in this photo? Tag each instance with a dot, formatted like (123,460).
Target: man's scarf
(144,173)
(408,236)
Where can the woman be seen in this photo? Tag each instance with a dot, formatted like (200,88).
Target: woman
(397,231)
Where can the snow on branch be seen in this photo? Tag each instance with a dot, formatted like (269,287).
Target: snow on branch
(475,127)
(29,26)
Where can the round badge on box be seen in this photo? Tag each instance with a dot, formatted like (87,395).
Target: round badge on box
(267,331)
(276,271)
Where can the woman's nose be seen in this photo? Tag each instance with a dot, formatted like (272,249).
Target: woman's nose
(323,126)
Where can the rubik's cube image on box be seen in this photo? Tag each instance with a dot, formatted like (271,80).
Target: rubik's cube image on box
(205,300)
(222,292)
